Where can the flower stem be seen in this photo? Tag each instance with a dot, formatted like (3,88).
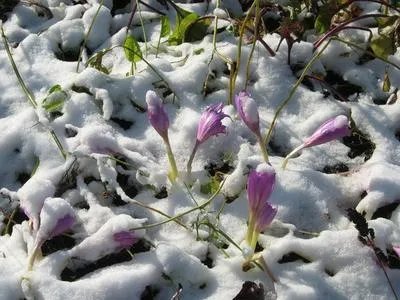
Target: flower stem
(250,229)
(190,161)
(291,154)
(262,148)
(33,256)
(173,173)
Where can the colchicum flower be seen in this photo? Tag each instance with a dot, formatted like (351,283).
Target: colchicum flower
(56,217)
(260,184)
(159,120)
(248,112)
(210,124)
(125,239)
(332,129)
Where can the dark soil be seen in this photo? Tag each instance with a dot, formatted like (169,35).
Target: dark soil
(70,274)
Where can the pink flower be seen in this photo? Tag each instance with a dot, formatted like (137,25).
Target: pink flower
(265,214)
(259,187)
(332,129)
(210,123)
(156,113)
(248,112)
(125,239)
(260,184)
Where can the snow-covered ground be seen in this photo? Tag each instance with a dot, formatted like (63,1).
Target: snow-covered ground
(116,164)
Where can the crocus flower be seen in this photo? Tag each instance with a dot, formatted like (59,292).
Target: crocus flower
(332,129)
(56,217)
(210,124)
(248,112)
(157,115)
(260,184)
(159,120)
(125,239)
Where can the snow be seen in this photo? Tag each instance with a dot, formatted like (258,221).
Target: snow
(107,164)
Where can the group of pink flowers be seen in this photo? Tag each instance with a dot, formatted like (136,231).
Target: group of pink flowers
(260,182)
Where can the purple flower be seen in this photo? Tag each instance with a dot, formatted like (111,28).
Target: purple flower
(210,123)
(264,216)
(260,185)
(63,224)
(156,113)
(332,129)
(248,112)
(125,239)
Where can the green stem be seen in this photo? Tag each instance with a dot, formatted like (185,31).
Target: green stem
(173,173)
(87,35)
(159,212)
(262,148)
(254,239)
(292,91)
(32,258)
(256,25)
(142,58)
(250,229)
(351,44)
(28,94)
(236,66)
(10,219)
(201,206)
(291,154)
(143,28)
(190,161)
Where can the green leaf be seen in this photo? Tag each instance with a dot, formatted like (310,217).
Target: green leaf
(212,186)
(55,99)
(132,49)
(382,46)
(386,82)
(322,22)
(55,88)
(197,30)
(54,105)
(165,26)
(178,35)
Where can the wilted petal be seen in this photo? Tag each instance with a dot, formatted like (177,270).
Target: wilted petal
(56,217)
(125,239)
(210,123)
(260,185)
(332,129)
(156,113)
(247,109)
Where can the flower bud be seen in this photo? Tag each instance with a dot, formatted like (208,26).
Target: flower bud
(248,112)
(156,113)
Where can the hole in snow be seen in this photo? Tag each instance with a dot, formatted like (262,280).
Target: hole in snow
(208,261)
(359,143)
(291,257)
(250,290)
(124,124)
(338,168)
(149,293)
(162,193)
(59,242)
(72,274)
(385,211)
